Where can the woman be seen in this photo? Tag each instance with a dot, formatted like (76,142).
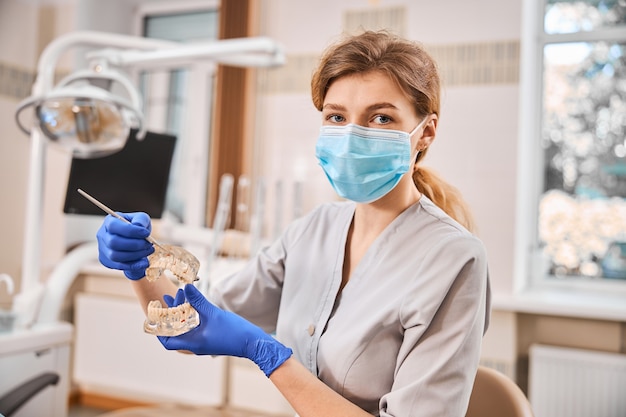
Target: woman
(379,302)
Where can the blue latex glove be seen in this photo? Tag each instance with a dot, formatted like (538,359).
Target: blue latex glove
(224,333)
(171,301)
(124,246)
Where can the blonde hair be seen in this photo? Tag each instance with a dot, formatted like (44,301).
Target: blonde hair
(415,71)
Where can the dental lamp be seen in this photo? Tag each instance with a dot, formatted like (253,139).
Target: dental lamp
(83,116)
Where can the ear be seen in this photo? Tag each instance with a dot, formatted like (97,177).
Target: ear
(429,132)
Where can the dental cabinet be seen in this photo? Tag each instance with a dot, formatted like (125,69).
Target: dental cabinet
(114,359)
(28,354)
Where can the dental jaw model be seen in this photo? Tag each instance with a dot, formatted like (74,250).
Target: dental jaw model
(172,321)
(162,321)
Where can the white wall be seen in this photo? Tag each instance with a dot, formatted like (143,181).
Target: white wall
(476,144)
(25,29)
(13,147)
(475,148)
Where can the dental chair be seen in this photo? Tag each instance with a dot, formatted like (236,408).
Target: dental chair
(35,356)
(18,396)
(34,370)
(496,395)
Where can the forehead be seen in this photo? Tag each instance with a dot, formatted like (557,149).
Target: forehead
(356,91)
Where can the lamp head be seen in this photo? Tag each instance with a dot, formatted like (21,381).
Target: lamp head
(82,117)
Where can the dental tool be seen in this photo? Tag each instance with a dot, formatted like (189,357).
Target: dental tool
(256,220)
(117,216)
(278,210)
(222,210)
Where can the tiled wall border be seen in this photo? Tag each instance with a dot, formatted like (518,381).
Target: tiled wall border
(376,18)
(488,63)
(478,63)
(15,82)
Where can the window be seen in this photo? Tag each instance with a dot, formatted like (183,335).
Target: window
(178,101)
(573,150)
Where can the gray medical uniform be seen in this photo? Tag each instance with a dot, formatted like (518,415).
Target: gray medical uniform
(403,337)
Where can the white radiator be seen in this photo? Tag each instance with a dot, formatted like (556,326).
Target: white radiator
(507,367)
(566,382)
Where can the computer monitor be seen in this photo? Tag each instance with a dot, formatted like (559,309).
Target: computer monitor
(133,179)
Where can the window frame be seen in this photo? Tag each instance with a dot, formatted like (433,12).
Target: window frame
(227,139)
(528,272)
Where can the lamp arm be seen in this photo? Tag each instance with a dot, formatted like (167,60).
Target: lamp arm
(61,279)
(43,84)
(245,52)
(49,57)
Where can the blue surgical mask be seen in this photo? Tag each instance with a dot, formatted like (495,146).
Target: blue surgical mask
(364,164)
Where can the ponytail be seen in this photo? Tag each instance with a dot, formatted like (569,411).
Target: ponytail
(445,196)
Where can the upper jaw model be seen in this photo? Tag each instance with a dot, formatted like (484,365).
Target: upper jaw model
(176,320)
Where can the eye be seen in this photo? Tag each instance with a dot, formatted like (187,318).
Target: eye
(335,118)
(381,119)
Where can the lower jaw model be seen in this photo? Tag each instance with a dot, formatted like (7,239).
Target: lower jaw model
(172,321)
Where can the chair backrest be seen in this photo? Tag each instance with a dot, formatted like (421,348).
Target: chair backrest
(496,395)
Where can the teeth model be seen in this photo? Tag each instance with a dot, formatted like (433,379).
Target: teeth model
(175,259)
(173,321)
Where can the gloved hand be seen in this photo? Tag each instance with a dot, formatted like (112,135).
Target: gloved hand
(224,333)
(124,246)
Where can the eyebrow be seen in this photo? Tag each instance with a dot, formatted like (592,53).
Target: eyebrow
(372,107)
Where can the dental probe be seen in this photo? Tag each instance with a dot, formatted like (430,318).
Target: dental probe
(114,214)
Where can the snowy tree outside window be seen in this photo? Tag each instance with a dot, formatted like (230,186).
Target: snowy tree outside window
(582,208)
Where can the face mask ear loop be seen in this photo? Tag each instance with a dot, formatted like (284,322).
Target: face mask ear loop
(418,127)
(411,135)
